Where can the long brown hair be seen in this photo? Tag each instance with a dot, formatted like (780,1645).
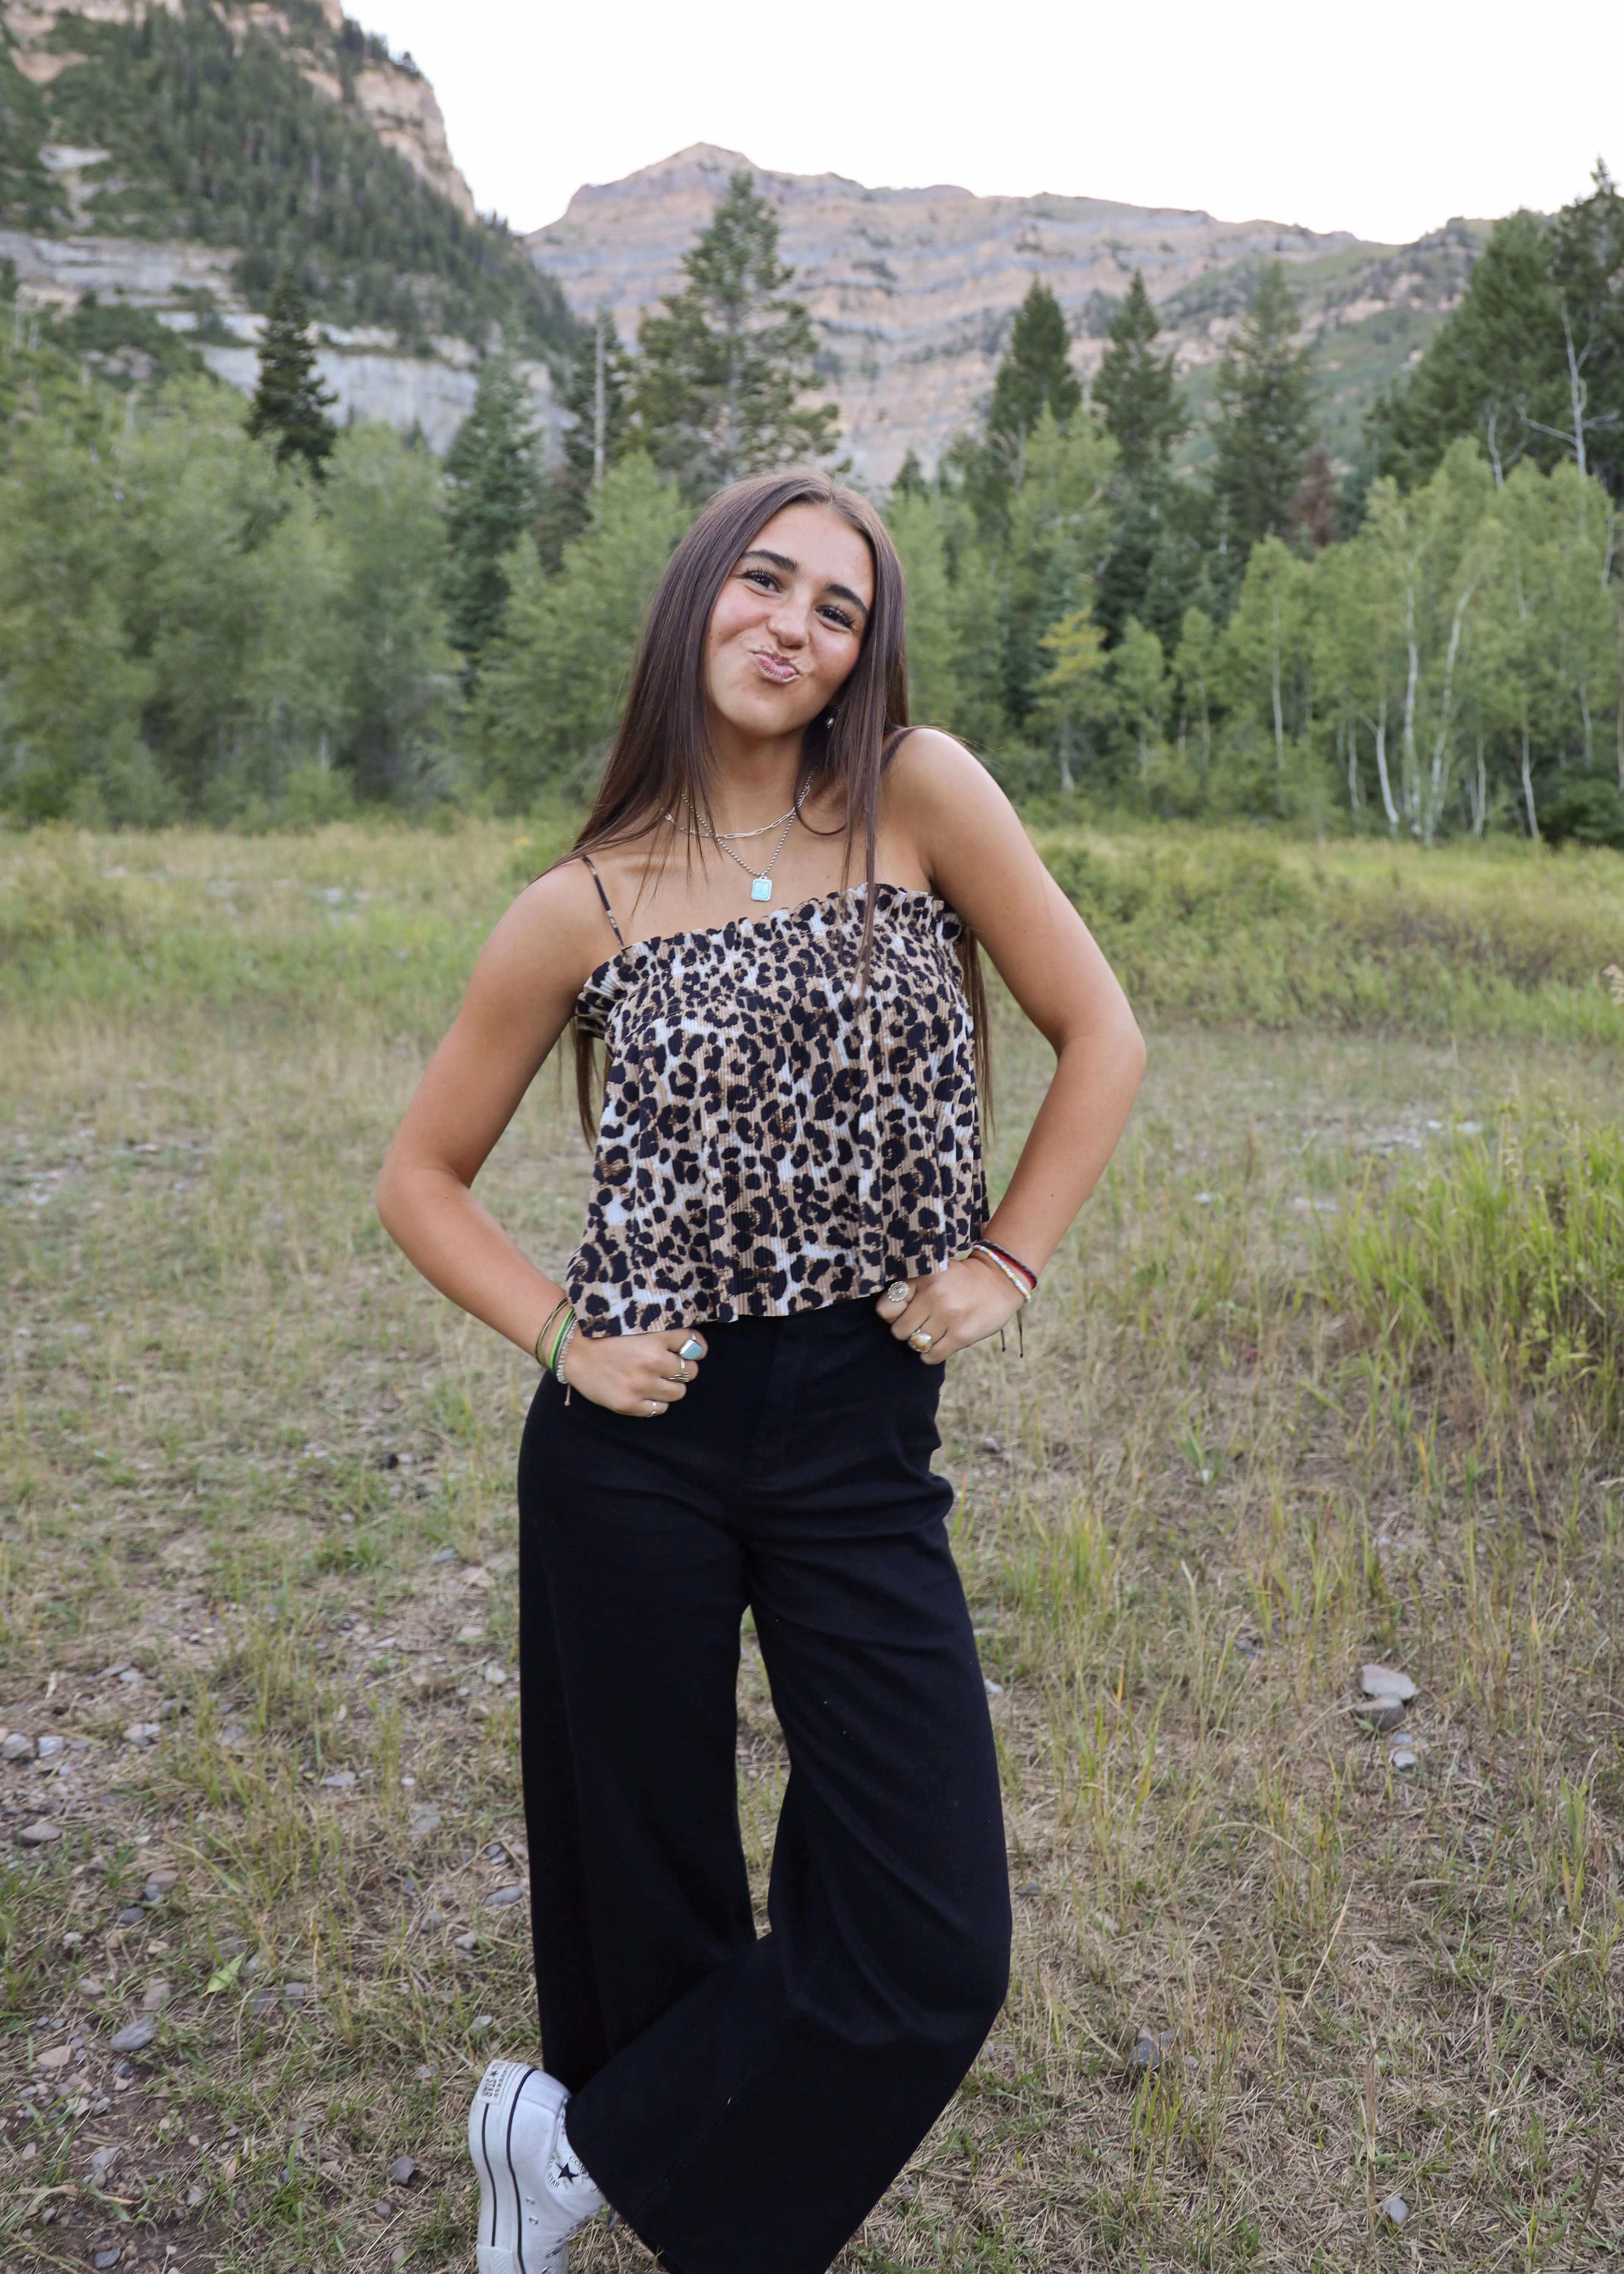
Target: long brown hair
(661,752)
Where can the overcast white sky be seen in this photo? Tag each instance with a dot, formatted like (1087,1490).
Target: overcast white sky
(1383,116)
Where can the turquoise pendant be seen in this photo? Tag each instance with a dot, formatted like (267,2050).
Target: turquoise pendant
(760,888)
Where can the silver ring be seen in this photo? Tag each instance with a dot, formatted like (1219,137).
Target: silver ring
(679,1375)
(692,1349)
(653,1406)
(898,1291)
(921,1341)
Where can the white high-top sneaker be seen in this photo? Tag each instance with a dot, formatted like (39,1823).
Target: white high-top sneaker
(513,2129)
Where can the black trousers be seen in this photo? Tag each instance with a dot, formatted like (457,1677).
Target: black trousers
(744,2102)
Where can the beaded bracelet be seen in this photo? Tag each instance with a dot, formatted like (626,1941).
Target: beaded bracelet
(559,1348)
(1014,1270)
(546,1328)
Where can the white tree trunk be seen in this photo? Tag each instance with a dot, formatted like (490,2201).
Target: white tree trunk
(1443,762)
(1388,807)
(1407,744)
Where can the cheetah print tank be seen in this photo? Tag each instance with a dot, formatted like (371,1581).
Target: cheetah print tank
(770,1140)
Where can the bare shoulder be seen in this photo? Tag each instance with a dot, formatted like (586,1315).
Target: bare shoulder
(942,799)
(552,938)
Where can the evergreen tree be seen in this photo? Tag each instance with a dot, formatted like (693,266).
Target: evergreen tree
(1154,561)
(1137,391)
(910,480)
(1587,269)
(1264,425)
(1493,369)
(1034,374)
(30,195)
(290,403)
(1531,362)
(1153,565)
(724,368)
(493,472)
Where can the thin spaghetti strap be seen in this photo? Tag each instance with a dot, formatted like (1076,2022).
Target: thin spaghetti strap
(604,897)
(894,742)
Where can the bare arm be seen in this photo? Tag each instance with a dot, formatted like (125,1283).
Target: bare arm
(518,1003)
(972,847)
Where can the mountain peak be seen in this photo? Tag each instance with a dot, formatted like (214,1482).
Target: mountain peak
(912,291)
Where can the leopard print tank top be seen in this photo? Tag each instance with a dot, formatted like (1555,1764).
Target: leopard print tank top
(771,1140)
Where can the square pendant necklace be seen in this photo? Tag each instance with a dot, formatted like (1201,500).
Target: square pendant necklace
(761,880)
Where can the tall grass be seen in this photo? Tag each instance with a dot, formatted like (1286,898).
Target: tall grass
(1500,1265)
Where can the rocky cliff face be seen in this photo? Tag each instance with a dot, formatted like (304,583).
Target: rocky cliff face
(397,101)
(912,291)
(87,247)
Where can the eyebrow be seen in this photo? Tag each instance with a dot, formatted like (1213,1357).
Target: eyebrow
(782,561)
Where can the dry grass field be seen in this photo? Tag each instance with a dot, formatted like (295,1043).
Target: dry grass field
(1331,1371)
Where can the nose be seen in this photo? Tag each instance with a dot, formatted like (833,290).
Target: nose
(787,623)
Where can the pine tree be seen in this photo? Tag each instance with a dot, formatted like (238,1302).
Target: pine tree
(724,367)
(493,472)
(290,405)
(1587,269)
(910,480)
(1149,568)
(1264,425)
(1137,390)
(1530,363)
(1034,374)
(1493,369)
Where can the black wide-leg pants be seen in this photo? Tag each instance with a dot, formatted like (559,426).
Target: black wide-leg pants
(744,2102)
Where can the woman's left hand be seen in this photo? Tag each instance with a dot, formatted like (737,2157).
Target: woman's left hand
(951,1309)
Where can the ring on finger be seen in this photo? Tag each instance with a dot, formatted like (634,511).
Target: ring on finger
(692,1349)
(655,1407)
(898,1291)
(921,1340)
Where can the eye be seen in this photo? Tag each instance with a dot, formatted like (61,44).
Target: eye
(831,614)
(763,579)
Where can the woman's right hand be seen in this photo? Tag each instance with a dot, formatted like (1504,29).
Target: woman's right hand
(639,1375)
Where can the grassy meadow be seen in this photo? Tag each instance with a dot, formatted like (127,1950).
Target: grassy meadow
(1331,1371)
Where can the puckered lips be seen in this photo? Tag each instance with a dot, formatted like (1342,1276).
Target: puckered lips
(778,668)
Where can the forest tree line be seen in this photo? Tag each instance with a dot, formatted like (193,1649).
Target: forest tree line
(201,614)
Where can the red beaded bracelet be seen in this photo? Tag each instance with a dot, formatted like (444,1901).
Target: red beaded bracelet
(1014,1269)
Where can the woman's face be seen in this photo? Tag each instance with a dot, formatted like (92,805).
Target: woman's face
(788,624)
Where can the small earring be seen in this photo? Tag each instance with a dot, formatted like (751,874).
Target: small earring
(829,717)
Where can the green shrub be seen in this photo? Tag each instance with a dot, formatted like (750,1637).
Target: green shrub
(53,895)
(1235,927)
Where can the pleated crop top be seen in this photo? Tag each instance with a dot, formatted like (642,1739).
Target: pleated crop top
(772,1139)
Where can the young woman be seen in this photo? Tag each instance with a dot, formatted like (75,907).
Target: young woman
(770,921)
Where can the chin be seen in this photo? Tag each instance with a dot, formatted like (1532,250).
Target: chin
(765,713)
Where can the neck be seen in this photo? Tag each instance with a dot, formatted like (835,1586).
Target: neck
(753,777)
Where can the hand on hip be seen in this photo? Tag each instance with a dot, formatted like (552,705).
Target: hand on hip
(948,1310)
(639,1375)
